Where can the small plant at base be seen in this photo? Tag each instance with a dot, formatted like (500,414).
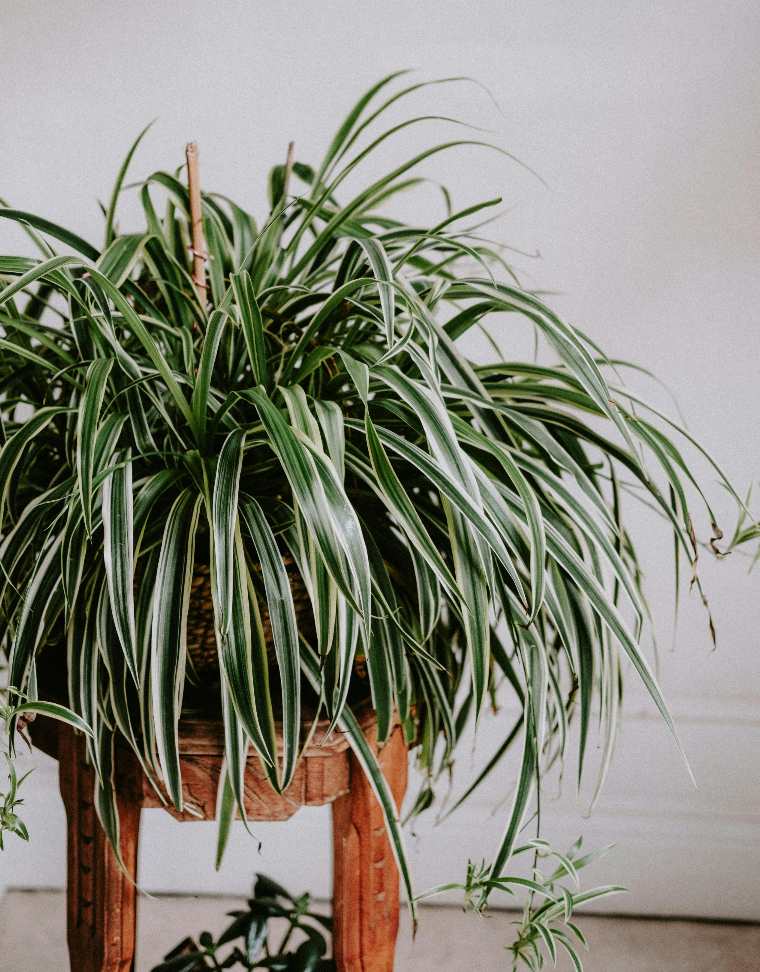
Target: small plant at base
(17,714)
(546,927)
(248,942)
(10,822)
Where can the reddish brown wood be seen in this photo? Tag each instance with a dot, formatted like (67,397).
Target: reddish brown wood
(321,776)
(318,780)
(365,876)
(101,898)
(206,737)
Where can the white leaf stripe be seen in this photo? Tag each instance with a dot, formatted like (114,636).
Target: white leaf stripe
(200,400)
(347,532)
(224,520)
(253,326)
(279,597)
(455,494)
(239,644)
(530,504)
(88,419)
(323,503)
(171,595)
(53,710)
(118,552)
(381,268)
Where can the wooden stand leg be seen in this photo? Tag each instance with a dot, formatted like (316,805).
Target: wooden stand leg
(365,876)
(101,899)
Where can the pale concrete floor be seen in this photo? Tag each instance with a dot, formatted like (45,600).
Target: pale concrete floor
(32,938)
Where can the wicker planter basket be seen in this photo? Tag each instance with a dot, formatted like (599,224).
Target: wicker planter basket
(201,640)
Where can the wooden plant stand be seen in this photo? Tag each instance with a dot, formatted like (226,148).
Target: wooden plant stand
(101,899)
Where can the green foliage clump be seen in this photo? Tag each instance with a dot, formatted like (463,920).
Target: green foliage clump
(460,528)
(249,942)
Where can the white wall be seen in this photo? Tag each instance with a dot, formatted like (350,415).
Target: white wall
(642,119)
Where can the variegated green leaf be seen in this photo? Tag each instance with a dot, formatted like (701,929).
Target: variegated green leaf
(171,595)
(88,421)
(118,551)
(282,617)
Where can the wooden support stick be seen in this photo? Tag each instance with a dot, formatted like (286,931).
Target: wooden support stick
(288,169)
(196,221)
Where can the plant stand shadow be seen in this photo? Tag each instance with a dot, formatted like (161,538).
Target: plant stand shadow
(102,899)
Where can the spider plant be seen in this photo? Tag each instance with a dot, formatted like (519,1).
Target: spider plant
(14,711)
(460,528)
(547,925)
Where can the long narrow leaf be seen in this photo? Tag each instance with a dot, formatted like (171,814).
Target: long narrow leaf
(88,419)
(171,596)
(118,551)
(282,617)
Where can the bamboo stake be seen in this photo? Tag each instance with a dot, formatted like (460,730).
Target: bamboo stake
(288,169)
(196,221)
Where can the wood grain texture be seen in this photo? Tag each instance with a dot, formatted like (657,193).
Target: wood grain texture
(322,774)
(101,897)
(317,780)
(365,876)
